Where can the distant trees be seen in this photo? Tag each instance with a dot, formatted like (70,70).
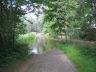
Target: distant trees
(88,29)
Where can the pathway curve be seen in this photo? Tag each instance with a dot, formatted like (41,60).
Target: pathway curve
(52,61)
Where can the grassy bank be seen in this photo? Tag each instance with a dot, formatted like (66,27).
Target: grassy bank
(84,57)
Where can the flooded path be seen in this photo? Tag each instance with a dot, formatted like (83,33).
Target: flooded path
(37,46)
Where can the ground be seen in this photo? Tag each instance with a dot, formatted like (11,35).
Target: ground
(51,61)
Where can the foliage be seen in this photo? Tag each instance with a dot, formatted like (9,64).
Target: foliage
(10,27)
(20,29)
(62,13)
(83,56)
(67,17)
(19,52)
(87,27)
(26,38)
(47,28)
(62,17)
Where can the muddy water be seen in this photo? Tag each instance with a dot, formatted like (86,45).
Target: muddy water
(37,46)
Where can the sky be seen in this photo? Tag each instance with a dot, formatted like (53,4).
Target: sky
(30,15)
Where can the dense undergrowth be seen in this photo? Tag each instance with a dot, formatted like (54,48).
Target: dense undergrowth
(84,57)
(20,51)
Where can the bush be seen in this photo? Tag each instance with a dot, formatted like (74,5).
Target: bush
(10,55)
(26,38)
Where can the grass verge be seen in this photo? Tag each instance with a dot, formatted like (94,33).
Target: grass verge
(84,57)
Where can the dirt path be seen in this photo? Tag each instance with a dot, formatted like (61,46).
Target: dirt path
(52,61)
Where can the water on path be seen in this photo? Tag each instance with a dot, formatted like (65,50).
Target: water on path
(37,46)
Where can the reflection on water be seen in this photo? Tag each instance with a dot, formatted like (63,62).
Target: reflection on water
(37,46)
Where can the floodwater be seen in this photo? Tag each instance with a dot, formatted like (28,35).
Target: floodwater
(37,46)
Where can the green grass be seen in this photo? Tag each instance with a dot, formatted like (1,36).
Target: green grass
(84,57)
(26,38)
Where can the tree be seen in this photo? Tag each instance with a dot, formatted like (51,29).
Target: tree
(70,16)
(62,13)
(10,12)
